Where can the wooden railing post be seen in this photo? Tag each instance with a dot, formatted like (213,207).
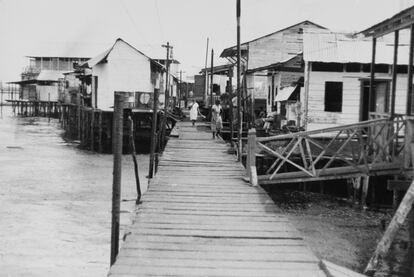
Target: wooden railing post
(251,157)
(409,139)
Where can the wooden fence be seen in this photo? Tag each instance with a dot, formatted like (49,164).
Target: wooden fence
(93,128)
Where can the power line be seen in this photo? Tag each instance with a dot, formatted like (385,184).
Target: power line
(134,23)
(159,19)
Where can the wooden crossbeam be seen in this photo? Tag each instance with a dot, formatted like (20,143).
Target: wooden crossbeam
(267,149)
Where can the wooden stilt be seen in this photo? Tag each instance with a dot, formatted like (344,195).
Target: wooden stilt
(100,131)
(364,194)
(92,132)
(357,187)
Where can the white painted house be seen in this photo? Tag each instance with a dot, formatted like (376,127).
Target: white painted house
(124,68)
(337,76)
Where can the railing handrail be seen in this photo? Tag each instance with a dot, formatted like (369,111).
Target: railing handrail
(361,124)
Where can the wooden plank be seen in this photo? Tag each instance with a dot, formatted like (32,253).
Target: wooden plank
(339,271)
(130,270)
(218,256)
(199,263)
(213,218)
(271,243)
(196,226)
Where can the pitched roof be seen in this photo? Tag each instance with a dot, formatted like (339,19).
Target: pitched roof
(228,51)
(102,57)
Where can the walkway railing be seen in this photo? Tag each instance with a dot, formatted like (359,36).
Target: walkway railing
(364,148)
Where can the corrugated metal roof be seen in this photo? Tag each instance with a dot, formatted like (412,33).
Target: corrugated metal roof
(95,60)
(48,75)
(339,48)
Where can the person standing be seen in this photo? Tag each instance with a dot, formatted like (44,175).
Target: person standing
(194,112)
(216,120)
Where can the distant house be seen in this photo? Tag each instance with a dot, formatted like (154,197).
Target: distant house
(40,79)
(337,77)
(221,82)
(124,68)
(272,49)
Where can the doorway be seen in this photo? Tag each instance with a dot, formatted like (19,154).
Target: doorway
(380,99)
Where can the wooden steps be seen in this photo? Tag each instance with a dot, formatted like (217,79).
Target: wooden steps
(199,218)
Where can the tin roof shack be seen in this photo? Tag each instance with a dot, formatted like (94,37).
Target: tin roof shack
(285,80)
(40,79)
(221,81)
(273,48)
(337,78)
(124,68)
(76,87)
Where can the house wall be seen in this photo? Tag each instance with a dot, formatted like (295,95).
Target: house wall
(126,70)
(351,102)
(47,93)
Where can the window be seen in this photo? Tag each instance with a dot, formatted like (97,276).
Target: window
(380,68)
(353,67)
(333,96)
(328,67)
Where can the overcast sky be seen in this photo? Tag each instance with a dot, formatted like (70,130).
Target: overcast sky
(88,27)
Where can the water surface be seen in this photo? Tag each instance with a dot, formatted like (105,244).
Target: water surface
(55,201)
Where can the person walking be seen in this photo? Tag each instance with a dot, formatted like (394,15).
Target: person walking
(194,112)
(216,120)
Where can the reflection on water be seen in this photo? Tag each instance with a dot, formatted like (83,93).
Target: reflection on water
(55,201)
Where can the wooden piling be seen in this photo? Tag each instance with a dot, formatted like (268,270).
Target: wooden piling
(153,134)
(100,131)
(364,194)
(118,120)
(134,158)
(92,130)
(251,157)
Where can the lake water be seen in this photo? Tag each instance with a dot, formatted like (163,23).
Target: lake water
(55,201)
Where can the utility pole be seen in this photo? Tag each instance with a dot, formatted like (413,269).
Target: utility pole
(239,92)
(166,95)
(230,75)
(206,77)
(211,92)
(167,83)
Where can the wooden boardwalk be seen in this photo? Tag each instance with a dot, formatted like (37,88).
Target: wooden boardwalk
(199,218)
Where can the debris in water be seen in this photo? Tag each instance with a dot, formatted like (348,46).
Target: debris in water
(14,147)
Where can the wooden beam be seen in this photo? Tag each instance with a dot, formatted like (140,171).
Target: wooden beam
(394,73)
(399,21)
(410,72)
(333,173)
(389,235)
(372,77)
